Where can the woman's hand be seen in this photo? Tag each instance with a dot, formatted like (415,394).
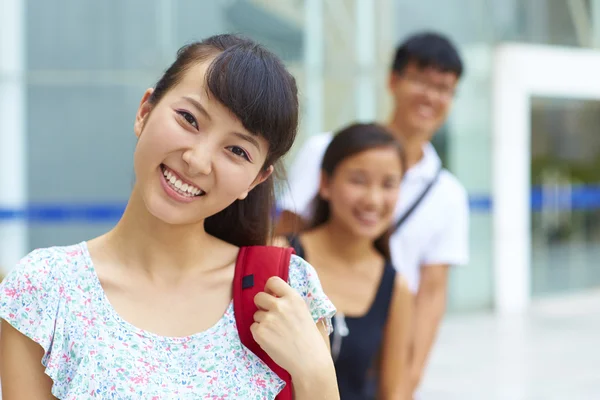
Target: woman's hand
(285,330)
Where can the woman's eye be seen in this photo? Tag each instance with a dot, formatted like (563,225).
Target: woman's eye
(391,184)
(357,180)
(189,118)
(238,151)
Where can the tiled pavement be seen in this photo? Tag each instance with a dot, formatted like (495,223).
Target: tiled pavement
(552,352)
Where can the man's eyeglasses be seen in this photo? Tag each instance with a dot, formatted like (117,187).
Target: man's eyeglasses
(423,85)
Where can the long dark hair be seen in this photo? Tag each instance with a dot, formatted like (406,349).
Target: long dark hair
(256,87)
(348,142)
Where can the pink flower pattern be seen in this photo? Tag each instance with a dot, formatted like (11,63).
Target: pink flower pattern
(54,297)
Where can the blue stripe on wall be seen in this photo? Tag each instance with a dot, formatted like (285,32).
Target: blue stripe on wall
(580,198)
(65,213)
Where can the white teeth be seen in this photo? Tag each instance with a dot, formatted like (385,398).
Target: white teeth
(368,217)
(183,188)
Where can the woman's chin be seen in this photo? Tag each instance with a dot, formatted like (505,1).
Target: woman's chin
(368,232)
(171,214)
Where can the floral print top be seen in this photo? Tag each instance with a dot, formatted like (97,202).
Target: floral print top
(54,297)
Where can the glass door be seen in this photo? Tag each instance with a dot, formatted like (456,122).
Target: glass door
(546,172)
(565,195)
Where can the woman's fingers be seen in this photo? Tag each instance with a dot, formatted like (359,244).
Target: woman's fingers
(260,316)
(278,287)
(265,301)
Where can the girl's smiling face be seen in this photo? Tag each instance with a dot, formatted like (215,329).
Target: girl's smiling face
(194,157)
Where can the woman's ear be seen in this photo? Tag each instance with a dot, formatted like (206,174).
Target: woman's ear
(143,112)
(324,190)
(262,176)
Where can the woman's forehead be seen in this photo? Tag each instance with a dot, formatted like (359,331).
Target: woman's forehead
(194,80)
(379,158)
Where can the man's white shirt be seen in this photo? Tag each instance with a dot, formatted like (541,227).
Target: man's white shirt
(437,232)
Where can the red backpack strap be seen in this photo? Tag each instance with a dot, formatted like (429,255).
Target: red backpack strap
(254,266)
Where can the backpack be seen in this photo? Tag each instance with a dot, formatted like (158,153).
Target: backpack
(254,266)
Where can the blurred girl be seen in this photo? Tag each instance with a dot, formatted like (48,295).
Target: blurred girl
(347,243)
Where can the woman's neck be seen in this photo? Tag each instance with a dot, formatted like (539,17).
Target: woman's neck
(348,247)
(141,239)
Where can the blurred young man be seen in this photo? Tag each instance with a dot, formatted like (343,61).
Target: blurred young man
(432,211)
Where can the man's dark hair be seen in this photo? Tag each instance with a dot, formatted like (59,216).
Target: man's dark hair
(428,50)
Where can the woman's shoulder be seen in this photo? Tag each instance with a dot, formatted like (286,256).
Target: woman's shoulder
(302,275)
(54,255)
(305,280)
(32,292)
(49,263)
(398,284)
(401,297)
(41,279)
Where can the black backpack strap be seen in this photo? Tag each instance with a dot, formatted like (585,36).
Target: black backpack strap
(414,206)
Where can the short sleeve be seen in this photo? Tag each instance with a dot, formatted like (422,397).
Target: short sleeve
(450,245)
(304,176)
(29,298)
(304,279)
(30,301)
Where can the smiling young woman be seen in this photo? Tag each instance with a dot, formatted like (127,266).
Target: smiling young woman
(348,243)
(145,310)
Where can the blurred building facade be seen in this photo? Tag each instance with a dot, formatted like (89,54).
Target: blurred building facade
(72,73)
